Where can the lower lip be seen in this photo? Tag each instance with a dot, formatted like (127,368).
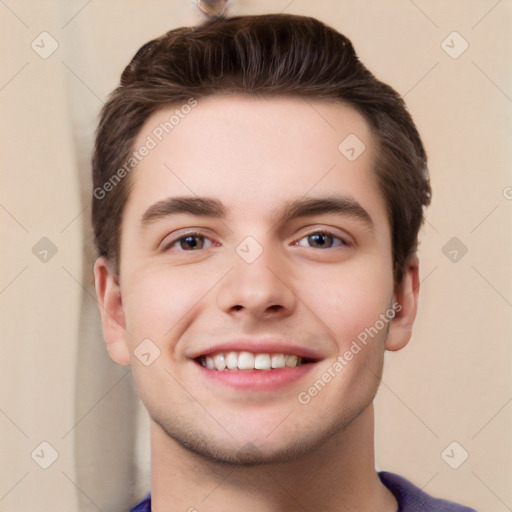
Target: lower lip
(257,380)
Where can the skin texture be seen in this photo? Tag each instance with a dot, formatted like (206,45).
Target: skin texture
(219,448)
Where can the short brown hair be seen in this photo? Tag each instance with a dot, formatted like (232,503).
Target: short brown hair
(267,55)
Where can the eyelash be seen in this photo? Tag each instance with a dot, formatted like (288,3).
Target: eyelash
(324,233)
(296,243)
(183,237)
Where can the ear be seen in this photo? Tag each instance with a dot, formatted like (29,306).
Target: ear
(405,304)
(111,310)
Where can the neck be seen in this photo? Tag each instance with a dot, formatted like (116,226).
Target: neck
(340,475)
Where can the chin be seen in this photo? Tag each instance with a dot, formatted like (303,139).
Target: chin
(247,452)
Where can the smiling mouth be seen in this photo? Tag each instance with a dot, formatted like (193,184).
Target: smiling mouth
(229,361)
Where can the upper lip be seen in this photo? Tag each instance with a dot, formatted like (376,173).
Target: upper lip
(257,346)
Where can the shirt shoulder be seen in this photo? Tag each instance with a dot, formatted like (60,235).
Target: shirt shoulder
(409,497)
(412,499)
(143,506)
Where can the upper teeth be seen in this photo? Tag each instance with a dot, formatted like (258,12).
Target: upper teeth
(249,361)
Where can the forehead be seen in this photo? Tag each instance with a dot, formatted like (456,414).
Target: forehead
(252,153)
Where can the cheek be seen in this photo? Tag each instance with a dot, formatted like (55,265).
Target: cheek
(160,299)
(350,298)
(351,303)
(156,300)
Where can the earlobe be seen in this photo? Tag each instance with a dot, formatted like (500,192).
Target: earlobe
(111,310)
(405,305)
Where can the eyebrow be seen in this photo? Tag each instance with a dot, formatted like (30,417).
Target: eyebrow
(303,207)
(200,206)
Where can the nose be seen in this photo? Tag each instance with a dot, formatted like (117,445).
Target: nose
(261,289)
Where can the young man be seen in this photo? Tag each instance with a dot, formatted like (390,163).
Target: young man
(257,201)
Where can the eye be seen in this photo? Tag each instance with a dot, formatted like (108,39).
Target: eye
(321,240)
(188,242)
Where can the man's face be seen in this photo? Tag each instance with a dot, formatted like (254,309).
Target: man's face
(261,279)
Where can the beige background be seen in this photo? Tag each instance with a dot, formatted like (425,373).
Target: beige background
(452,383)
